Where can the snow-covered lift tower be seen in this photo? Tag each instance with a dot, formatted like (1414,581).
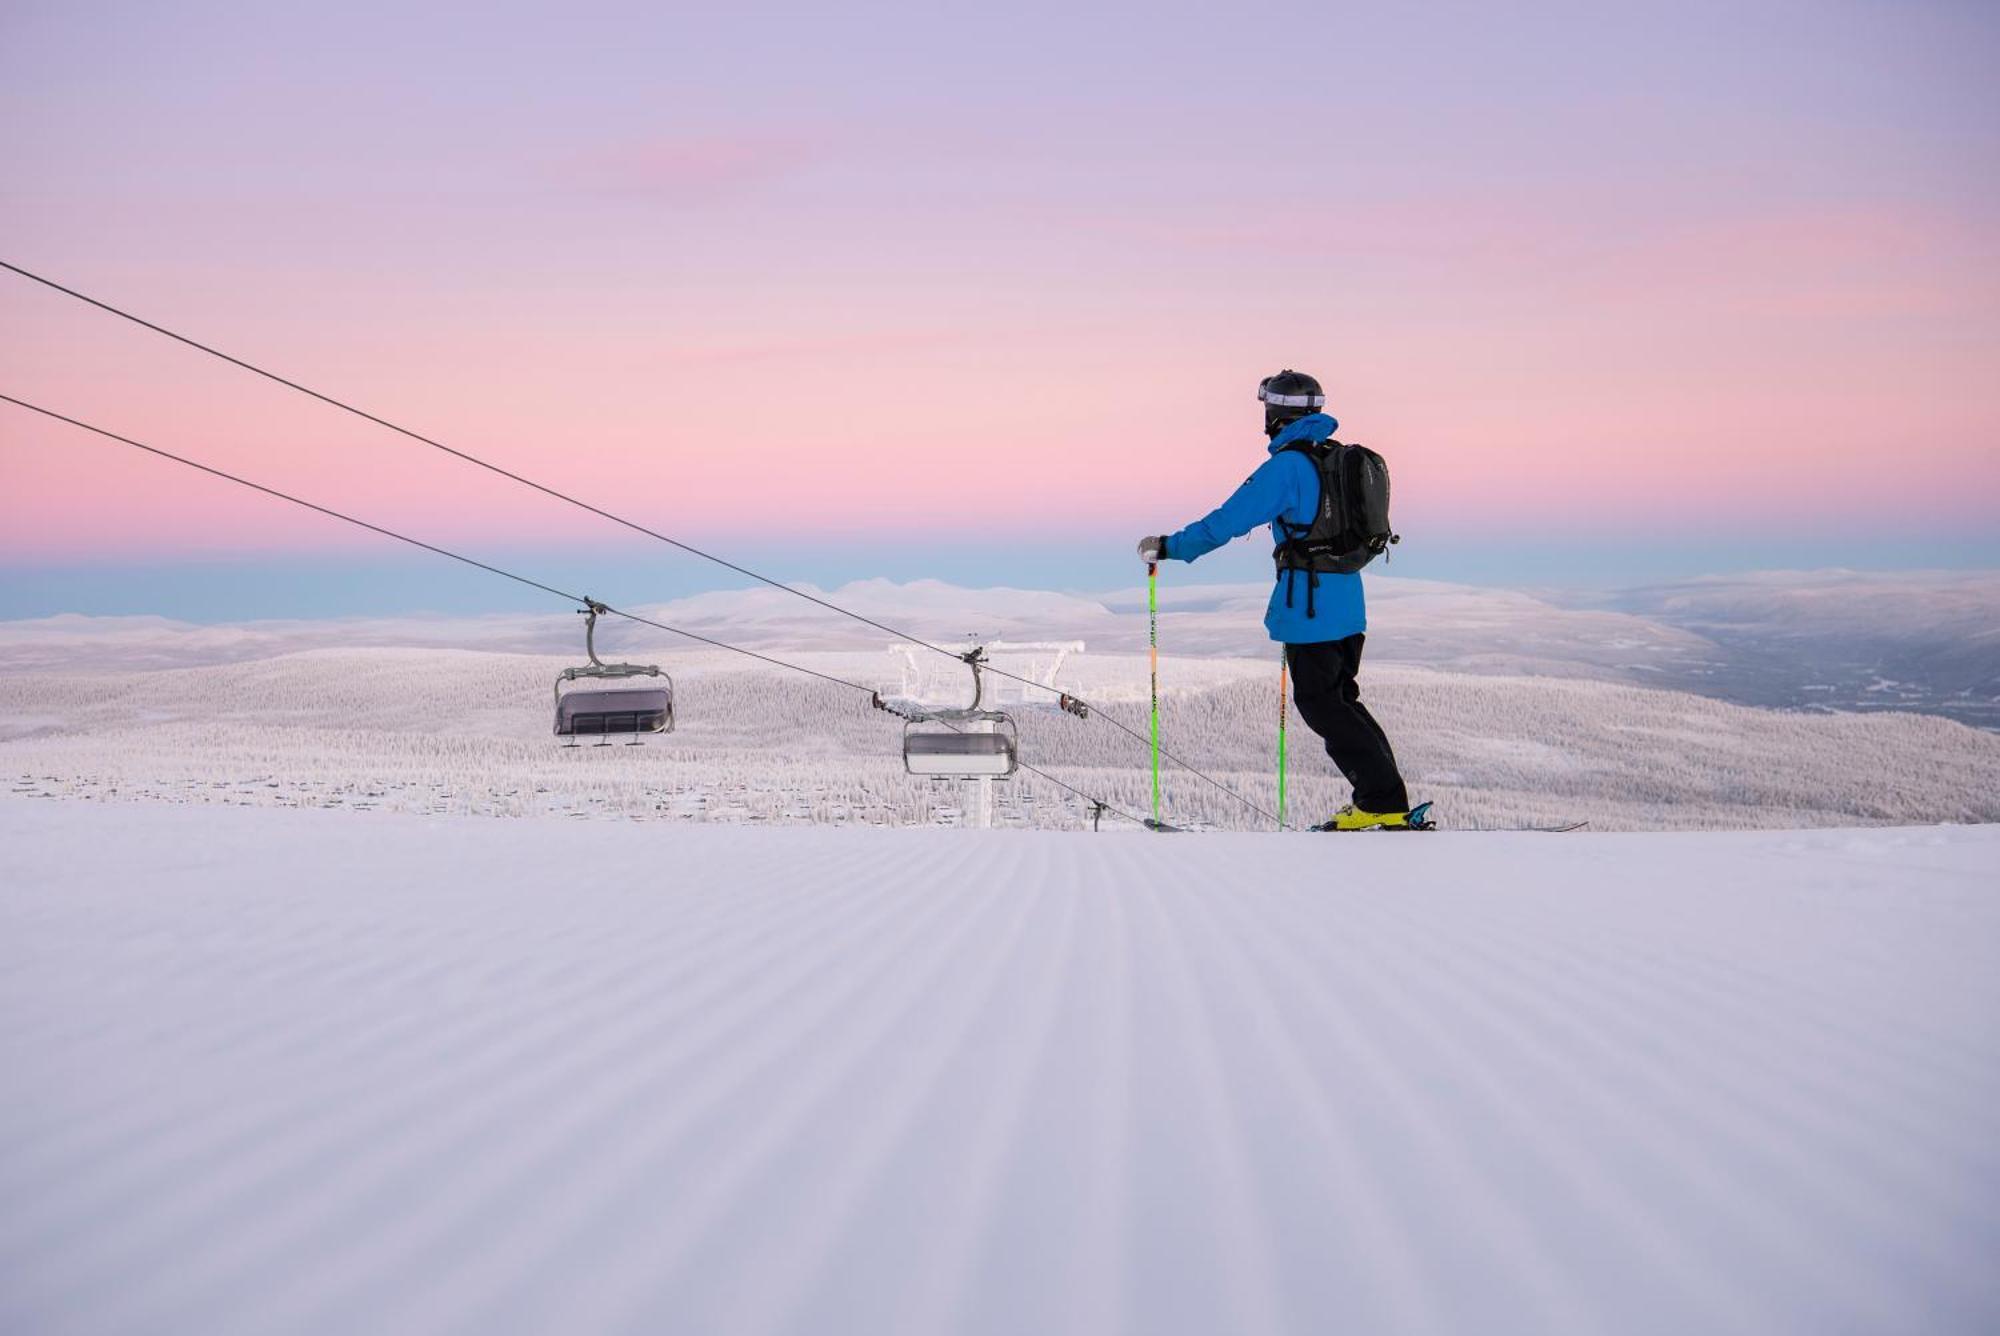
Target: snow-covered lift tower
(975,744)
(1045,659)
(1042,662)
(971,742)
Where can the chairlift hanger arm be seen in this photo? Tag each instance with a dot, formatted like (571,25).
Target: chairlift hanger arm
(598,668)
(973,658)
(591,607)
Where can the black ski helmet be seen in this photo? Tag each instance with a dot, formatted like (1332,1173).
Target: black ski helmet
(1287,397)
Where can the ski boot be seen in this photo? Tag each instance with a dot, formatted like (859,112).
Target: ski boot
(1351,817)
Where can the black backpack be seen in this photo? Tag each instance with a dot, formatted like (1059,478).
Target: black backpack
(1351,527)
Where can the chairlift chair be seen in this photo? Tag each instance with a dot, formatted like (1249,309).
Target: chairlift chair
(600,712)
(969,743)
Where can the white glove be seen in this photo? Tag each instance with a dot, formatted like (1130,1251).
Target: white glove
(1152,549)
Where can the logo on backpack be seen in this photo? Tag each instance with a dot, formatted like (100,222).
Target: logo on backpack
(1351,527)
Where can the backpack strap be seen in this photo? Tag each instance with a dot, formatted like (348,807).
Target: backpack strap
(1315,453)
(1296,536)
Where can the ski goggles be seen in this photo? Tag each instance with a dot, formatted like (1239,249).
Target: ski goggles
(1287,400)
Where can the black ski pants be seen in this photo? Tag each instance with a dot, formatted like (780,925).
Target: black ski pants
(1329,700)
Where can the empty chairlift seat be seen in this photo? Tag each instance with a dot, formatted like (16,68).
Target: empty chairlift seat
(600,711)
(972,743)
(931,747)
(595,712)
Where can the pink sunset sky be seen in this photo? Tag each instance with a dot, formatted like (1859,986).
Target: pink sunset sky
(855,280)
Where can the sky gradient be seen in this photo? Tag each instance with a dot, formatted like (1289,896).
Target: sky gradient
(984,292)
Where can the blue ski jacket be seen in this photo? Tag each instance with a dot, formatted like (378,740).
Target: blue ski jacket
(1284,487)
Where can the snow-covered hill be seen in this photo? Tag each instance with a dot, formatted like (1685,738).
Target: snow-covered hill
(309,1072)
(1926,642)
(454,731)
(1868,640)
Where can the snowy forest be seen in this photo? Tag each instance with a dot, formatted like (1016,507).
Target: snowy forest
(442,731)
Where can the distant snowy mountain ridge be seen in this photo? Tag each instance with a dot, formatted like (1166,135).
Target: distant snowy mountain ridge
(1921,641)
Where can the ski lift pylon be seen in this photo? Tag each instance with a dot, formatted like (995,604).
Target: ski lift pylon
(600,712)
(969,743)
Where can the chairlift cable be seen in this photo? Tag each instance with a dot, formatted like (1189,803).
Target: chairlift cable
(428,547)
(581,504)
(1097,804)
(467,456)
(287,496)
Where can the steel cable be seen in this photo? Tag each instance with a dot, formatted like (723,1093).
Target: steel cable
(581,504)
(1096,803)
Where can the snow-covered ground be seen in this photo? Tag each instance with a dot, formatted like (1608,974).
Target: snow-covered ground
(294,1071)
(454,731)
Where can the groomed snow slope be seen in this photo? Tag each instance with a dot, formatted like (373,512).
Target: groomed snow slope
(322,1072)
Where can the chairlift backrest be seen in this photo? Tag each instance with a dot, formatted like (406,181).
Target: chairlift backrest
(593,713)
(939,750)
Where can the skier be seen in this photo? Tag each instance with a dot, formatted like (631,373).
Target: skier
(1317,615)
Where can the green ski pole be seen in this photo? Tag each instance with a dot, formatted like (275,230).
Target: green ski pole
(1283,666)
(1153,642)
